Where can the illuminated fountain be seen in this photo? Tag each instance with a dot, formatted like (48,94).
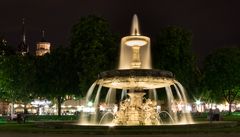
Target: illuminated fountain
(131,92)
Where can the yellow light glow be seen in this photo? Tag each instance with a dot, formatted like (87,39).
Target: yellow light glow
(111,125)
(138,42)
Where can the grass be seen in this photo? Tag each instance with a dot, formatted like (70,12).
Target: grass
(235,116)
(231,124)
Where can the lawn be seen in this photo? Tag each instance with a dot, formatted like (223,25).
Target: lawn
(230,124)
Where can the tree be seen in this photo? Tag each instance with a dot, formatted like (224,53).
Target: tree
(222,74)
(173,52)
(5,49)
(12,72)
(94,48)
(56,76)
(16,77)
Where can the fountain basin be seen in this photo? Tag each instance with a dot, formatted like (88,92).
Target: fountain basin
(136,40)
(136,78)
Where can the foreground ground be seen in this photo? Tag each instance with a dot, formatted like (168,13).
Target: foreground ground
(160,135)
(60,129)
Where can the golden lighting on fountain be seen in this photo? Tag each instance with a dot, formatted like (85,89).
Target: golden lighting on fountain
(138,85)
(136,82)
(133,58)
(135,41)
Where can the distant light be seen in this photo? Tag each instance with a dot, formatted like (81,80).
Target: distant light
(102,108)
(41,102)
(189,108)
(90,104)
(88,109)
(198,102)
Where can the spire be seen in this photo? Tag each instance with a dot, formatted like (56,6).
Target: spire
(23,48)
(23,31)
(43,36)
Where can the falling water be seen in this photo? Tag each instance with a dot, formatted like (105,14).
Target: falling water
(188,115)
(90,91)
(96,102)
(105,117)
(153,94)
(111,96)
(124,94)
(84,116)
(171,103)
(183,116)
(166,113)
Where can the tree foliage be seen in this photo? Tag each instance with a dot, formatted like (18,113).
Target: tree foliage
(56,76)
(94,48)
(23,78)
(173,52)
(222,74)
(16,77)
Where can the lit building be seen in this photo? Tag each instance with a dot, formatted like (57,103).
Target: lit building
(23,48)
(43,46)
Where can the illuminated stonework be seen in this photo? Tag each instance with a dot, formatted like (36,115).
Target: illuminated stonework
(136,42)
(136,78)
(43,48)
(134,111)
(134,88)
(131,47)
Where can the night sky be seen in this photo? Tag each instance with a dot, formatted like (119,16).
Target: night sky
(214,23)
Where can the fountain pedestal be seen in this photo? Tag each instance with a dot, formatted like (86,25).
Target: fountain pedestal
(133,111)
(136,99)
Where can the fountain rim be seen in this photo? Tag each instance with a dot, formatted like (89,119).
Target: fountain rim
(136,73)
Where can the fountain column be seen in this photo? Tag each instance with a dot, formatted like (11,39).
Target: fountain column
(133,58)
(134,111)
(136,63)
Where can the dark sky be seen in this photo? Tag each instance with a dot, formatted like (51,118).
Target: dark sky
(214,23)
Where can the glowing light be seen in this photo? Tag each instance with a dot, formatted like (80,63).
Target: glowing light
(137,42)
(111,125)
(102,108)
(198,102)
(90,104)
(88,109)
(41,102)
(188,108)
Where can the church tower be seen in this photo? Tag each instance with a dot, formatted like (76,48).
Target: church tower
(43,47)
(23,48)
